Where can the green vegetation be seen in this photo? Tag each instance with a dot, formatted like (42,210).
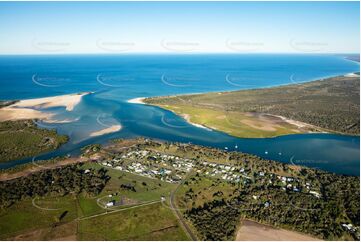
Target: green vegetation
(153,222)
(59,181)
(269,192)
(215,220)
(20,139)
(327,105)
(22,217)
(72,195)
(217,189)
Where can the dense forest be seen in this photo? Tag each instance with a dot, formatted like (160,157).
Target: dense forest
(59,181)
(22,138)
(215,220)
(322,218)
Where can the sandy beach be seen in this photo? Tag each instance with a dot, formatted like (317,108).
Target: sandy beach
(111,129)
(352,74)
(28,108)
(187,118)
(137,100)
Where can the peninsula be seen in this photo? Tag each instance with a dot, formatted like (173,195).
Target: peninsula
(327,105)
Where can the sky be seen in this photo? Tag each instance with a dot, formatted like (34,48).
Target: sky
(179,27)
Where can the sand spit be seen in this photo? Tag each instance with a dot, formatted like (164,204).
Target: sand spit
(28,108)
(137,100)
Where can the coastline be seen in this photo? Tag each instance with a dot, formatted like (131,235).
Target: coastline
(137,100)
(141,100)
(301,127)
(29,108)
(187,118)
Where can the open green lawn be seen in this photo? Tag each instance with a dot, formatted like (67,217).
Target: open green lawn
(230,122)
(204,189)
(147,189)
(23,220)
(23,217)
(153,222)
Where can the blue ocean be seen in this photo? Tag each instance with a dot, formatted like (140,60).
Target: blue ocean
(114,79)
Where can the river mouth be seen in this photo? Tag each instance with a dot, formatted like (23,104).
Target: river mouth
(116,79)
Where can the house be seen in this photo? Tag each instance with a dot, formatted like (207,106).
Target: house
(295,189)
(349,227)
(110,204)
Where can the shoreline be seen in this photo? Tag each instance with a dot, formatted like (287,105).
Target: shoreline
(137,100)
(31,108)
(186,117)
(296,123)
(141,100)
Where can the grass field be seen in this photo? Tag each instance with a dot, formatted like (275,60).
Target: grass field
(24,218)
(48,218)
(237,124)
(330,105)
(153,222)
(204,189)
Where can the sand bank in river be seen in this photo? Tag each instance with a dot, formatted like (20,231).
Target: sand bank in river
(111,129)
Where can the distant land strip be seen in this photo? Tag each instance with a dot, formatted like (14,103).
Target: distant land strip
(328,105)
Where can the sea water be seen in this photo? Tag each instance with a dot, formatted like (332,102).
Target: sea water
(114,79)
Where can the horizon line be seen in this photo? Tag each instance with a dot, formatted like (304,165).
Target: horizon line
(181,53)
